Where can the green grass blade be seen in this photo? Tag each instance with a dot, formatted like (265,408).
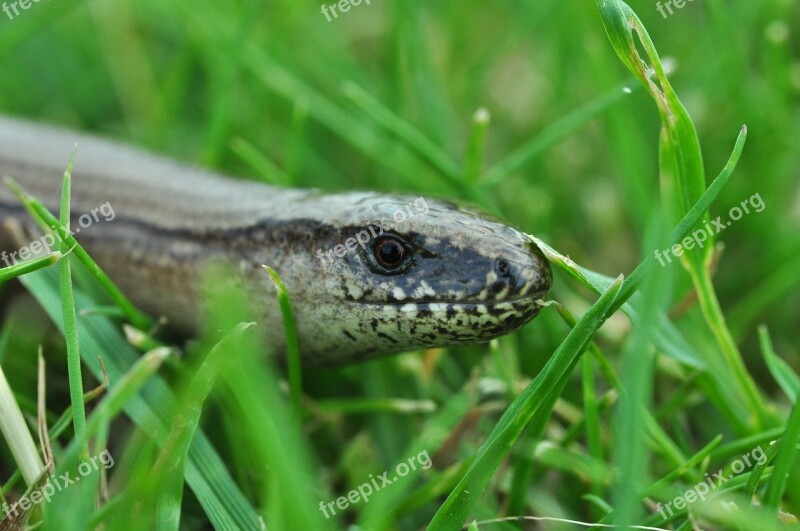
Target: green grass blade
(74,368)
(35,264)
(667,338)
(592,415)
(458,505)
(384,506)
(288,486)
(49,222)
(638,365)
(684,181)
(684,467)
(292,345)
(689,220)
(548,137)
(783,373)
(164,505)
(120,393)
(783,461)
(265,169)
(476,149)
(17,435)
(206,473)
(364,138)
(407,133)
(758,472)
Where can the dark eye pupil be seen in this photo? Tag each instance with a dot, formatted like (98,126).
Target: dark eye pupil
(389,253)
(502,267)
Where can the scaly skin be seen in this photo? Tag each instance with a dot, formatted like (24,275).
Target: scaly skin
(463,278)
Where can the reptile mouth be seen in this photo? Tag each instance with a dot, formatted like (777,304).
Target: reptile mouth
(450,308)
(458,302)
(516,300)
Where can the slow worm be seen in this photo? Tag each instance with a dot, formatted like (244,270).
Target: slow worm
(364,279)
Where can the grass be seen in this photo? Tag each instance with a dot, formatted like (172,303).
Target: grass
(681,376)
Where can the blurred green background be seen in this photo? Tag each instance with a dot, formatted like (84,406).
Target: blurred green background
(273,90)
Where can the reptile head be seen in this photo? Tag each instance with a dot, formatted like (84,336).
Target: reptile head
(402,273)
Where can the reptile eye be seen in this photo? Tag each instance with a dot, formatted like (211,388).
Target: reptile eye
(502,268)
(389,252)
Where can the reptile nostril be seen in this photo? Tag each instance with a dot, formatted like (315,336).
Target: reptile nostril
(502,268)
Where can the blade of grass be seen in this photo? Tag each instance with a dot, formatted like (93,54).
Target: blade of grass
(460,501)
(684,468)
(206,473)
(666,337)
(64,421)
(745,444)
(169,469)
(632,419)
(572,462)
(682,182)
(35,264)
(251,394)
(49,222)
(121,392)
(787,379)
(292,345)
(683,176)
(74,369)
(758,472)
(476,149)
(456,508)
(592,416)
(381,512)
(265,169)
(783,461)
(598,282)
(17,436)
(352,406)
(594,350)
(407,133)
(364,138)
(552,134)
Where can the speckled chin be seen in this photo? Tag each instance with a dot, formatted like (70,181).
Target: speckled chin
(435,324)
(461,322)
